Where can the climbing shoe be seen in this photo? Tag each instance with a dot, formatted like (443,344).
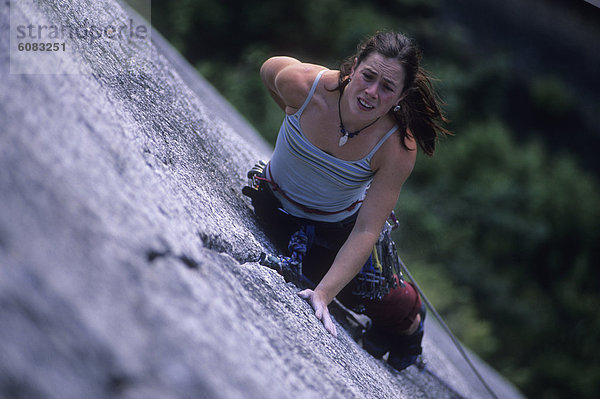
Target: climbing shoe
(376,343)
(406,349)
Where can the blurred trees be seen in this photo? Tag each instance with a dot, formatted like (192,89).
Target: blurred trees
(516,230)
(501,227)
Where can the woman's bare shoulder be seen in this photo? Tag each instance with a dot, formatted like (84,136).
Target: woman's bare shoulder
(393,155)
(293,82)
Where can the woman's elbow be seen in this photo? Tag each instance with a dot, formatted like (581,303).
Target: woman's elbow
(272,66)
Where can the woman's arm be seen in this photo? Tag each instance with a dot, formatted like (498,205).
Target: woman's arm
(379,202)
(288,81)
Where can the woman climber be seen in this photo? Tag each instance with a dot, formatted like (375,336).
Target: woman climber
(347,144)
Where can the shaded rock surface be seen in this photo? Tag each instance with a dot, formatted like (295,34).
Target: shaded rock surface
(127,252)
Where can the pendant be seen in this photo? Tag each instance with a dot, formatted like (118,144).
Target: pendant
(343,140)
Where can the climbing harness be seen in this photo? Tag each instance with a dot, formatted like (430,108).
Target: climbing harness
(259,174)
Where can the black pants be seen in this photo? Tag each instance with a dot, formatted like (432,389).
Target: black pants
(279,225)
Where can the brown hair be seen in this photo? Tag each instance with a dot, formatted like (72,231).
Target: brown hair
(420,111)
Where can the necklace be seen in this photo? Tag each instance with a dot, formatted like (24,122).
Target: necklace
(346,134)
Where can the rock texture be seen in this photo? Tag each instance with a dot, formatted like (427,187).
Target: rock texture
(127,252)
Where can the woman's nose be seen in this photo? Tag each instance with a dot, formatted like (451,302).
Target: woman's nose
(371,90)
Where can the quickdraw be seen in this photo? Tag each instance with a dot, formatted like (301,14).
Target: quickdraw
(376,278)
(291,266)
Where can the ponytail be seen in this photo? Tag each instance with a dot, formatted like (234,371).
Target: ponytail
(421,115)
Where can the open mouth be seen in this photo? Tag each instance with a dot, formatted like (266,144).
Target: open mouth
(365,104)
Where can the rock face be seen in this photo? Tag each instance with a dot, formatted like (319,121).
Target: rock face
(127,252)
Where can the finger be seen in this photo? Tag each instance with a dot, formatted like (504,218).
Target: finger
(328,323)
(305,294)
(329,326)
(319,312)
(332,330)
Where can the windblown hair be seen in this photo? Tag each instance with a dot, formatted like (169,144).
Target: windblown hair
(420,113)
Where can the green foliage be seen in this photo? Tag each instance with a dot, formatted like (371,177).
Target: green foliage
(550,95)
(489,206)
(501,228)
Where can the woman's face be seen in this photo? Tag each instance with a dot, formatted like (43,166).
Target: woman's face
(376,86)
